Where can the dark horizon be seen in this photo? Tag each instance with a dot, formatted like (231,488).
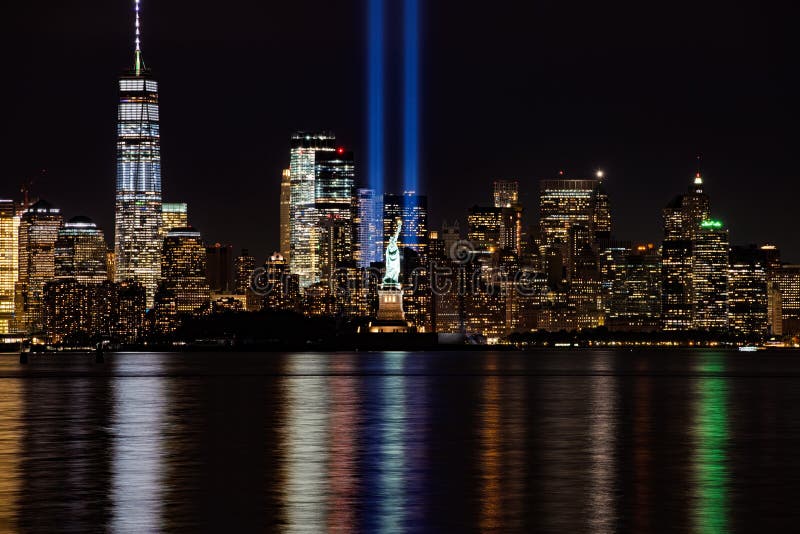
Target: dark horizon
(512,92)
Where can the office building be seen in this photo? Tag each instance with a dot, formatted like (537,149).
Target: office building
(38,231)
(285,214)
(412,209)
(219,267)
(81,252)
(9,263)
(184,270)
(368,224)
(174,215)
(138,235)
(748,298)
(710,264)
(303,235)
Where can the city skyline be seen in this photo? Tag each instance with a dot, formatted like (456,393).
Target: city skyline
(638,177)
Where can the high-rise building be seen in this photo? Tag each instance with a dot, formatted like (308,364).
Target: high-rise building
(748,299)
(787,282)
(243,267)
(412,209)
(130,325)
(219,267)
(9,262)
(138,237)
(450,236)
(80,252)
(636,300)
(334,187)
(38,231)
(485,227)
(286,205)
(564,203)
(282,289)
(184,270)
(505,193)
(368,225)
(174,215)
(682,219)
(303,238)
(710,263)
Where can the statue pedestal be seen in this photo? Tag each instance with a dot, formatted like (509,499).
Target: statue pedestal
(391,318)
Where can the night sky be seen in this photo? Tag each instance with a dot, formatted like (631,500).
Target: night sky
(510,90)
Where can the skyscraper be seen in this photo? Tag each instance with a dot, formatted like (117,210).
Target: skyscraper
(80,252)
(9,262)
(174,215)
(564,203)
(137,240)
(747,291)
(219,267)
(505,193)
(303,238)
(413,210)
(184,269)
(334,189)
(38,231)
(484,227)
(710,261)
(682,219)
(369,228)
(286,204)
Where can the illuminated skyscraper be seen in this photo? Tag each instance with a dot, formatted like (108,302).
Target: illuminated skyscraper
(710,263)
(505,193)
(413,210)
(174,215)
(303,238)
(9,262)
(138,236)
(38,231)
(564,203)
(334,190)
(368,228)
(747,291)
(286,204)
(80,252)
(787,282)
(485,226)
(184,269)
(682,219)
(243,267)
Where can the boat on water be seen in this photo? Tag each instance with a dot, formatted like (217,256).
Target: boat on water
(750,348)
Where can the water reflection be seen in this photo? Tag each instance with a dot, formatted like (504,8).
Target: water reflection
(137,432)
(710,435)
(344,423)
(490,463)
(603,434)
(305,439)
(11,428)
(384,462)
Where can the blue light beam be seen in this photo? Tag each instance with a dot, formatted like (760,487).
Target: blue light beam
(376,54)
(411,94)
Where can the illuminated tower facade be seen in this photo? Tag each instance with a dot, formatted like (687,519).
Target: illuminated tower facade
(505,193)
(369,234)
(710,259)
(80,252)
(748,295)
(184,269)
(682,219)
(174,215)
(303,237)
(286,202)
(138,236)
(413,210)
(9,262)
(38,231)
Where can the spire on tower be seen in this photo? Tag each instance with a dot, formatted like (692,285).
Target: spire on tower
(698,178)
(137,67)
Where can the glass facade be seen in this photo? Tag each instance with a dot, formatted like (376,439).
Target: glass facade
(710,262)
(174,215)
(38,231)
(138,233)
(303,238)
(369,228)
(184,270)
(9,262)
(286,203)
(80,252)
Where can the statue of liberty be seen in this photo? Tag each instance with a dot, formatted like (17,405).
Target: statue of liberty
(393,259)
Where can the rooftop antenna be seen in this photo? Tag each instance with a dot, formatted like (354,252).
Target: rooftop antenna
(698,178)
(138,64)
